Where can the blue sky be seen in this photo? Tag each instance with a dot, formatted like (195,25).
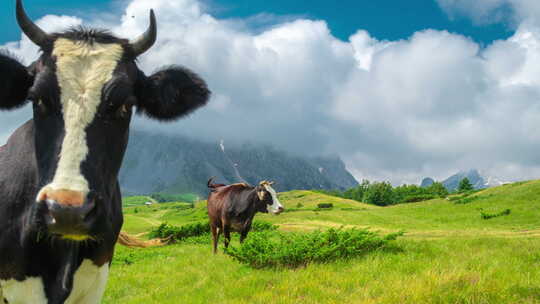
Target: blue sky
(384,19)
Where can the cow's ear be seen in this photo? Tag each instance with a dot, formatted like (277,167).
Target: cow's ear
(16,80)
(170,93)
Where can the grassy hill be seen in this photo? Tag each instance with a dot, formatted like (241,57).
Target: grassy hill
(449,254)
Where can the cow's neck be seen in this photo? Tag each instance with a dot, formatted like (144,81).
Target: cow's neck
(18,165)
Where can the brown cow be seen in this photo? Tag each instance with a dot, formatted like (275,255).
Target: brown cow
(232,208)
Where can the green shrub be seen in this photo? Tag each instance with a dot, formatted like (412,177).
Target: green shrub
(179,233)
(465,185)
(196,232)
(299,205)
(263,226)
(352,209)
(380,194)
(469,199)
(164,197)
(465,200)
(487,216)
(325,205)
(417,198)
(292,250)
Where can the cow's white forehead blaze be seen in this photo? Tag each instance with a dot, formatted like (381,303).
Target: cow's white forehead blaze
(81,69)
(275,202)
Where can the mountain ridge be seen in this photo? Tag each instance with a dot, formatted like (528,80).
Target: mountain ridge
(179,164)
(478,180)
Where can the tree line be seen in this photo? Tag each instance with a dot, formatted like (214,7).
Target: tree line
(384,194)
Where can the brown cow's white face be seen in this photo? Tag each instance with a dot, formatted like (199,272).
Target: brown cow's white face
(82,70)
(275,207)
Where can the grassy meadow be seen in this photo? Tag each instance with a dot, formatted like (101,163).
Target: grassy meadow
(449,254)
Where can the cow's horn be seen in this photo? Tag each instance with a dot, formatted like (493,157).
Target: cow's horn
(29,28)
(146,40)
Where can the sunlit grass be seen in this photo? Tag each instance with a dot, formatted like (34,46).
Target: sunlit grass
(483,270)
(448,255)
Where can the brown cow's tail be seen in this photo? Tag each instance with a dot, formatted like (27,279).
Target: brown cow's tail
(133,241)
(213,186)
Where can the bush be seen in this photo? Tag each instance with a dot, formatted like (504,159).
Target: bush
(465,199)
(164,197)
(263,226)
(487,216)
(325,205)
(292,250)
(437,189)
(180,233)
(465,185)
(380,194)
(199,231)
(353,209)
(417,198)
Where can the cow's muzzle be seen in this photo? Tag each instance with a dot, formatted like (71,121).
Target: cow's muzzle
(279,210)
(70,221)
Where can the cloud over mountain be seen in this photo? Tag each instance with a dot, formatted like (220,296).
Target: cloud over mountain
(398,110)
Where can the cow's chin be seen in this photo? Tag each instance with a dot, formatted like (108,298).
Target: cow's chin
(275,212)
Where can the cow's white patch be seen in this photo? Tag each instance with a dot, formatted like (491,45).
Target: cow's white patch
(82,69)
(276,205)
(30,290)
(88,283)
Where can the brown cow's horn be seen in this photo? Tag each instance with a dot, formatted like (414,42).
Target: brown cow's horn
(146,40)
(29,28)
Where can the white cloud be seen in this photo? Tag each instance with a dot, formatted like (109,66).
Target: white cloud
(400,110)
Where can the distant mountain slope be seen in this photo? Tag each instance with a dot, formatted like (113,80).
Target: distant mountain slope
(477,180)
(452,183)
(426,182)
(175,164)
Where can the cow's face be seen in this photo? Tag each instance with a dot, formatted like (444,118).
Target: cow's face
(83,89)
(268,200)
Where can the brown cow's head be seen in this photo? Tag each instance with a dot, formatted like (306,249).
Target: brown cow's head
(268,200)
(83,89)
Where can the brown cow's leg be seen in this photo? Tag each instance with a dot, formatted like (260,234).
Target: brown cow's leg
(227,236)
(215,237)
(243,235)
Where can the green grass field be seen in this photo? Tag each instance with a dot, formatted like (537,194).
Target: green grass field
(449,254)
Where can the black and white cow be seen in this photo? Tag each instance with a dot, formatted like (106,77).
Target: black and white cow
(60,203)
